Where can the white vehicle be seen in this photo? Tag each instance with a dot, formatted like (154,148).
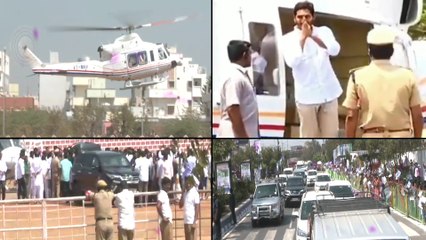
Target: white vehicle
(322,181)
(341,189)
(288,171)
(264,22)
(306,207)
(361,218)
(311,177)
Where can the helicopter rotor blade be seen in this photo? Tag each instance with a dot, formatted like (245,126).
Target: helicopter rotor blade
(79,28)
(164,22)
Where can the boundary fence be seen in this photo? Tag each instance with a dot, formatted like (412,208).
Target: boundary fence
(73,218)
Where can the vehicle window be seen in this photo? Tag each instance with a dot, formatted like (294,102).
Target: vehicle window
(85,160)
(142,58)
(306,209)
(151,53)
(132,60)
(266,191)
(114,161)
(312,173)
(295,181)
(341,191)
(264,58)
(288,172)
(161,54)
(323,178)
(95,162)
(300,174)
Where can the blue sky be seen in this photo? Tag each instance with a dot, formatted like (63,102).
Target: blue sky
(192,37)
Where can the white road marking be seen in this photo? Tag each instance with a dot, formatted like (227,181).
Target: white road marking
(289,234)
(270,235)
(233,236)
(295,212)
(252,235)
(230,231)
(409,231)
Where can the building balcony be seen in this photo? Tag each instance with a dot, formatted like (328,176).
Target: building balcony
(100,93)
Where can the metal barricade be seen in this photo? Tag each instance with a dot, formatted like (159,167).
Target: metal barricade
(73,218)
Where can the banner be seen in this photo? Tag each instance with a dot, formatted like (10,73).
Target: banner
(223,176)
(245,171)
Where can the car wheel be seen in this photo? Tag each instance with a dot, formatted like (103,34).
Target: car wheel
(253,223)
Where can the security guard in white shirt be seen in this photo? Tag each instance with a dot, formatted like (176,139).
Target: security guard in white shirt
(239,110)
(308,51)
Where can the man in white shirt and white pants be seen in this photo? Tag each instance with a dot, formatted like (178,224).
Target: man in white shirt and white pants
(190,201)
(125,201)
(239,110)
(37,176)
(307,52)
(164,210)
(3,170)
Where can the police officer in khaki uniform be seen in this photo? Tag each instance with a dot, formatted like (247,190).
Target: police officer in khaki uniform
(102,200)
(383,100)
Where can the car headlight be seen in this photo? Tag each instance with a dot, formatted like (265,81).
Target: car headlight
(302,191)
(301,233)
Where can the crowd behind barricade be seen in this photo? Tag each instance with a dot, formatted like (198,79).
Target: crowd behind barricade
(401,184)
(46,173)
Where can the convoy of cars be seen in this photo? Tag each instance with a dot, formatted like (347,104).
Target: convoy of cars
(322,203)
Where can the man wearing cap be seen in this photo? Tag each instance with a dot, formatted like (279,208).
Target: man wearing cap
(239,110)
(102,200)
(382,100)
(316,87)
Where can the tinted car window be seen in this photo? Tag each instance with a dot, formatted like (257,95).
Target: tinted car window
(306,209)
(266,191)
(312,173)
(295,181)
(114,161)
(288,172)
(323,178)
(341,191)
(300,174)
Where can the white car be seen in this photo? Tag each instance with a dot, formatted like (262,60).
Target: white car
(288,172)
(311,177)
(341,189)
(321,181)
(306,207)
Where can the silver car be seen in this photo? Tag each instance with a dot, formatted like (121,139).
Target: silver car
(268,203)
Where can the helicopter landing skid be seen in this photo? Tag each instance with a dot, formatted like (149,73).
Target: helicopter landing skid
(129,84)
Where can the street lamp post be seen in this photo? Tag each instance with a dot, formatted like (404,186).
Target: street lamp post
(4,93)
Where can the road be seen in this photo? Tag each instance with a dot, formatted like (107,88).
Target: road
(287,230)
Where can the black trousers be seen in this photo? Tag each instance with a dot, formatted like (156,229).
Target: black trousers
(65,189)
(3,189)
(22,188)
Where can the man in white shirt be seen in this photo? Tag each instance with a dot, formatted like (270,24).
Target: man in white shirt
(37,176)
(239,110)
(164,210)
(20,175)
(3,170)
(142,164)
(125,201)
(308,51)
(190,202)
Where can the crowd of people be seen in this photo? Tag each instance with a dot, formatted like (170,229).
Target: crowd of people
(46,173)
(378,179)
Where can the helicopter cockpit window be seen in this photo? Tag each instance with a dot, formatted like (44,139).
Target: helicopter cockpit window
(132,60)
(142,58)
(161,54)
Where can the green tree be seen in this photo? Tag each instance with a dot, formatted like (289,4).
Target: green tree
(123,123)
(222,149)
(191,124)
(418,31)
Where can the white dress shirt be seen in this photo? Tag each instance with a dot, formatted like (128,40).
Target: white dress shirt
(3,169)
(20,168)
(166,210)
(238,90)
(192,198)
(314,79)
(167,169)
(142,165)
(125,201)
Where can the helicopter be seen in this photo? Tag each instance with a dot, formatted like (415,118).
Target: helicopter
(127,59)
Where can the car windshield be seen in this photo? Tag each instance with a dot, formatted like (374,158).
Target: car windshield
(288,172)
(295,181)
(341,191)
(266,191)
(301,174)
(306,209)
(323,178)
(114,161)
(312,173)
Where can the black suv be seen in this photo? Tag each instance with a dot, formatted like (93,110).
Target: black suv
(112,167)
(295,189)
